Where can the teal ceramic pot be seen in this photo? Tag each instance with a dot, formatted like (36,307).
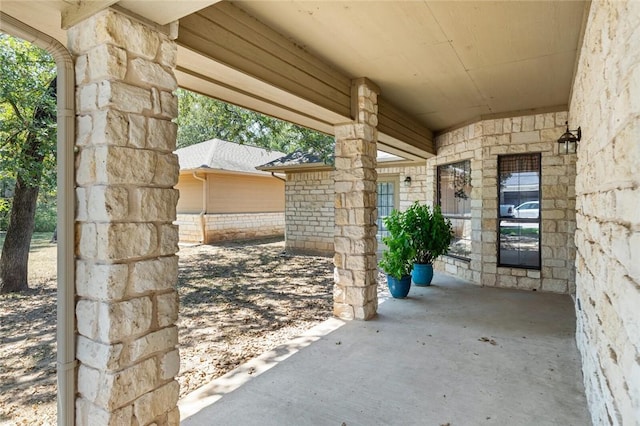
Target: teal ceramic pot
(399,288)
(422,274)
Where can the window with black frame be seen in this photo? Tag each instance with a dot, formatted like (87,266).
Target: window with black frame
(387,194)
(519,221)
(454,198)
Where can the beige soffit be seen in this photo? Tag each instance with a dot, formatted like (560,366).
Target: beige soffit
(444,62)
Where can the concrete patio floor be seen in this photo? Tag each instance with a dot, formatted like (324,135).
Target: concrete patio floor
(450,354)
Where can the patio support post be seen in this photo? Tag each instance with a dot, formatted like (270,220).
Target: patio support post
(126,244)
(355,291)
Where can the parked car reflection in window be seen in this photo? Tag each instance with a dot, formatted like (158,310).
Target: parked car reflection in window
(530,209)
(506,210)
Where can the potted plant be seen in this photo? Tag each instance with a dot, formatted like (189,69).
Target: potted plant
(398,255)
(430,234)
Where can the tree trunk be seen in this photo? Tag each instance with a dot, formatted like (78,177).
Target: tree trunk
(15,251)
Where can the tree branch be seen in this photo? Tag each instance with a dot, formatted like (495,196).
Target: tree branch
(11,138)
(16,110)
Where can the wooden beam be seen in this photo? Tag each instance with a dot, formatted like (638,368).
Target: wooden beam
(402,149)
(217,89)
(83,9)
(399,126)
(230,36)
(163,13)
(228,54)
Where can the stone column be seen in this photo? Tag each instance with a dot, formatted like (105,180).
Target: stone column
(355,291)
(126,243)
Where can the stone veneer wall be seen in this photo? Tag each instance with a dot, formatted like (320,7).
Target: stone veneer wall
(232,226)
(355,292)
(126,244)
(309,213)
(309,206)
(606,104)
(407,195)
(189,229)
(481,143)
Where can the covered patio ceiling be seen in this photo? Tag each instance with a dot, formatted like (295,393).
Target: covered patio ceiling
(438,64)
(444,62)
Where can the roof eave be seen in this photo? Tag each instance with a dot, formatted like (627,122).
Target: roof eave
(257,173)
(308,167)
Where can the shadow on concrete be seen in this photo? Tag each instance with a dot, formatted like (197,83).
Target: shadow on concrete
(451,353)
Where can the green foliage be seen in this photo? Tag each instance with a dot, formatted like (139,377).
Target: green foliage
(46,217)
(26,74)
(26,110)
(397,258)
(5,208)
(201,118)
(46,212)
(516,231)
(430,232)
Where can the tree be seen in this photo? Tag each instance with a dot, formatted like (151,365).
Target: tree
(27,147)
(201,118)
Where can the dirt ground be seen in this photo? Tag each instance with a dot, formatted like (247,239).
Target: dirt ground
(28,343)
(236,302)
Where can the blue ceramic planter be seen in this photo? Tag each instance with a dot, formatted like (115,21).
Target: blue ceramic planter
(399,288)
(422,274)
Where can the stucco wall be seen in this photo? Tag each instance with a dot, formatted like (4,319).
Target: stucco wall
(231,193)
(606,104)
(238,207)
(481,143)
(190,188)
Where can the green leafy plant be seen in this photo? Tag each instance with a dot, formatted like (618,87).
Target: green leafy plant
(5,208)
(398,256)
(430,232)
(201,118)
(46,217)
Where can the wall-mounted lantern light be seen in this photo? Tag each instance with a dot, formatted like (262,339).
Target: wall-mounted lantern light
(569,140)
(407,181)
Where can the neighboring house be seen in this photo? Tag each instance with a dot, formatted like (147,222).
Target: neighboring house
(222,195)
(310,197)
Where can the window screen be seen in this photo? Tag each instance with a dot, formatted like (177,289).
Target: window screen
(454,197)
(519,212)
(386,203)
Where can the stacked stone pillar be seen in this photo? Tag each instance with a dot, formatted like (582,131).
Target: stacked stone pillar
(355,275)
(126,243)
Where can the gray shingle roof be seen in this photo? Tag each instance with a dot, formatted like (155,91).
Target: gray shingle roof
(217,154)
(300,159)
(294,159)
